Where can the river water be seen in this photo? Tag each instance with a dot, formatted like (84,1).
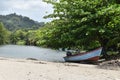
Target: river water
(24,52)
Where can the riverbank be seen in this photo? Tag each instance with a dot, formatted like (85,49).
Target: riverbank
(21,69)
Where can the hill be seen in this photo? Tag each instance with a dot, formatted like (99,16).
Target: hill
(14,22)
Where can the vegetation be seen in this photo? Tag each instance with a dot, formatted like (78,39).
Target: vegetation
(14,22)
(83,24)
(88,23)
(4,35)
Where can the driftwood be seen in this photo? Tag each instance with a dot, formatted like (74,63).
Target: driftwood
(112,64)
(32,59)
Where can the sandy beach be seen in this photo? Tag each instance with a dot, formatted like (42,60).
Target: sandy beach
(21,69)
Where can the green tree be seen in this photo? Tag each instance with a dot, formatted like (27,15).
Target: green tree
(4,34)
(88,22)
(18,36)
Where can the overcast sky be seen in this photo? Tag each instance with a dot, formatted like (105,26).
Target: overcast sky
(34,9)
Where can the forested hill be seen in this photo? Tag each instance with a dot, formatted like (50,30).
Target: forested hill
(13,22)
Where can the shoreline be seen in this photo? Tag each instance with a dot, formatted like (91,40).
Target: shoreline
(22,69)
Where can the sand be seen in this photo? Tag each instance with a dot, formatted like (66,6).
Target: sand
(21,69)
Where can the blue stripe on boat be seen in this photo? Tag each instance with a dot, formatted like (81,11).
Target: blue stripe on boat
(85,56)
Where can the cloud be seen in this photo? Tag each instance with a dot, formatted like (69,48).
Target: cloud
(27,4)
(34,9)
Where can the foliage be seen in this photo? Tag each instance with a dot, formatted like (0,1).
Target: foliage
(87,22)
(16,36)
(14,22)
(4,34)
(84,24)
(23,37)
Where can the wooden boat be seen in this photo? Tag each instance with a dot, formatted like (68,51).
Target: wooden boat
(86,56)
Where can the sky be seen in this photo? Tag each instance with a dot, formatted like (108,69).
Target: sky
(34,9)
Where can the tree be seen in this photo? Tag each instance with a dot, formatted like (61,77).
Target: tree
(18,36)
(30,37)
(3,34)
(88,22)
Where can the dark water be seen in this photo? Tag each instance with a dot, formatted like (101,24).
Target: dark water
(16,51)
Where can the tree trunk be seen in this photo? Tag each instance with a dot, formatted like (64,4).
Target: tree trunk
(104,53)
(103,43)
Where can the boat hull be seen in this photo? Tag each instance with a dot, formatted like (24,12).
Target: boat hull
(88,56)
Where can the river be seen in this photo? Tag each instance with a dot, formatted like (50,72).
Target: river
(24,52)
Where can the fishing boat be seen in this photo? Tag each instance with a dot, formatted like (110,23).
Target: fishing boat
(85,56)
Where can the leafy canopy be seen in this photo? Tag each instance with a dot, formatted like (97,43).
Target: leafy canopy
(88,22)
